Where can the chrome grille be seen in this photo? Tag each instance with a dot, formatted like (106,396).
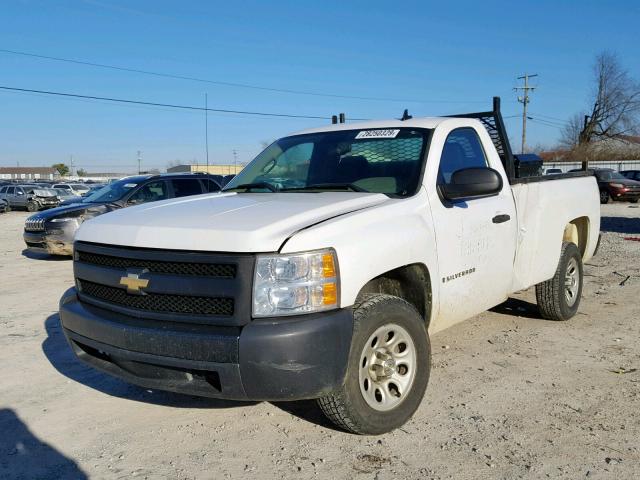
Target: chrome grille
(34,224)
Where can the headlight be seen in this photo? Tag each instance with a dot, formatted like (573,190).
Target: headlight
(63,219)
(616,185)
(297,283)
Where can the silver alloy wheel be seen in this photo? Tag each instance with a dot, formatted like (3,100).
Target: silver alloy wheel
(571,282)
(387,367)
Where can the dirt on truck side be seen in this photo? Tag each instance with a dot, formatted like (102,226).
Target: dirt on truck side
(511,395)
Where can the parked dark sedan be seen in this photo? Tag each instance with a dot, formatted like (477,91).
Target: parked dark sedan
(52,231)
(615,186)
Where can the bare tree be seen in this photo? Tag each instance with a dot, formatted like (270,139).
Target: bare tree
(616,104)
(570,134)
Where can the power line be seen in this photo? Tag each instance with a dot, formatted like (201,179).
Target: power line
(563,120)
(228,84)
(168,105)
(524,99)
(542,122)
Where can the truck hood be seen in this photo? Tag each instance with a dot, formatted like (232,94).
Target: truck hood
(223,222)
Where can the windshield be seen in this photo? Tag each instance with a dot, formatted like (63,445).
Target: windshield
(378,160)
(113,192)
(605,175)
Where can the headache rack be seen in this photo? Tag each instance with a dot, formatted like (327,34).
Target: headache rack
(494,125)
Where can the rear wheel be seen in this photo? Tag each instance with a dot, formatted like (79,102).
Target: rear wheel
(559,297)
(388,368)
(604,197)
(32,207)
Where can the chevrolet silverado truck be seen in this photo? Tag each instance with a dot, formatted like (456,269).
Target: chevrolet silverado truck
(321,270)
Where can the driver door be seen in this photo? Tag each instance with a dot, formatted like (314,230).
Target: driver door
(20,197)
(475,244)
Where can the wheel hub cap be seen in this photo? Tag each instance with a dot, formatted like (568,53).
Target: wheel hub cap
(571,282)
(387,367)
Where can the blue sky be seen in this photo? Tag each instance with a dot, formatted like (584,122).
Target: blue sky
(439,57)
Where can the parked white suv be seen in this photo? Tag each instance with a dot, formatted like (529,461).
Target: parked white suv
(325,265)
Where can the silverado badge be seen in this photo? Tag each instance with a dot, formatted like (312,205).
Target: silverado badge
(134,283)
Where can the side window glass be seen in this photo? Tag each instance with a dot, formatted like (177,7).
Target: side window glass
(184,187)
(151,192)
(462,149)
(3,189)
(11,190)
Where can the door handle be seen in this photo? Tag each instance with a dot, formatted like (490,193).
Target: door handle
(501,218)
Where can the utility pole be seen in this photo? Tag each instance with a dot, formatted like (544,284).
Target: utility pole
(524,100)
(139,161)
(206,129)
(235,161)
(71,166)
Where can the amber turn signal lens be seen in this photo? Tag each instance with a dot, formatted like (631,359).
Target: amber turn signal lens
(329,294)
(328,266)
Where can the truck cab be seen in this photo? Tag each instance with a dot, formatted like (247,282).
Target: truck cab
(322,269)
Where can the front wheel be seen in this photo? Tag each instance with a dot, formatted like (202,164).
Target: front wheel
(32,207)
(559,297)
(634,200)
(388,369)
(604,197)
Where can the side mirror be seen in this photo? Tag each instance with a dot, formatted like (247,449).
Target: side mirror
(475,182)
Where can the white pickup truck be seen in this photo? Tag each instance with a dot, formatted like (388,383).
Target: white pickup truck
(322,269)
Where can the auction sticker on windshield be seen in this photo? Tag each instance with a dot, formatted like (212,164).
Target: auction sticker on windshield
(389,133)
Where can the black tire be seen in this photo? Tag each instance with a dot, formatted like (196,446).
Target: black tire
(32,207)
(604,197)
(634,200)
(552,295)
(347,406)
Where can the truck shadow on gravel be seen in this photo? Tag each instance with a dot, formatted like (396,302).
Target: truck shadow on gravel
(620,224)
(43,256)
(514,307)
(26,456)
(59,354)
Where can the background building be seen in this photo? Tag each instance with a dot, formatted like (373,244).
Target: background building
(28,173)
(214,169)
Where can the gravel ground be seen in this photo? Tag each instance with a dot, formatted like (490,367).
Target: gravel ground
(511,395)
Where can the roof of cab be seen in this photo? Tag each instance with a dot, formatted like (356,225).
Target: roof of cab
(424,122)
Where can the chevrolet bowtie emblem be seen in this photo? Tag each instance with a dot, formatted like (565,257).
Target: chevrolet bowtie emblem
(134,283)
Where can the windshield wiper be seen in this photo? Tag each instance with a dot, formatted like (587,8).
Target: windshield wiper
(329,186)
(249,186)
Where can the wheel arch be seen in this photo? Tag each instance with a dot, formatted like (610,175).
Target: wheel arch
(577,231)
(410,282)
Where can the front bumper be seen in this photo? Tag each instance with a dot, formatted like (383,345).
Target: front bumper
(621,194)
(51,243)
(290,358)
